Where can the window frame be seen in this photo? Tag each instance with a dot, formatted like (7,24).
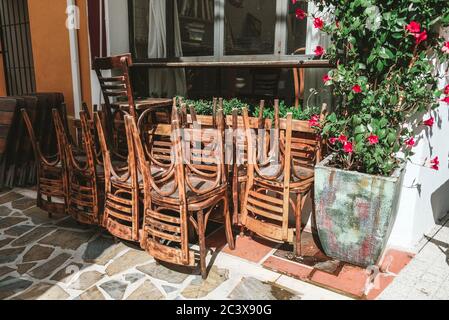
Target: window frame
(280,42)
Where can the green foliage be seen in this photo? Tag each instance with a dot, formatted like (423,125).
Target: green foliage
(373,49)
(204,107)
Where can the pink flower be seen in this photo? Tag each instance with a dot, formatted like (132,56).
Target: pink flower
(326,78)
(318,23)
(300,14)
(413,27)
(333,140)
(357,89)
(446,99)
(420,37)
(445,48)
(429,122)
(372,139)
(314,121)
(435,162)
(343,138)
(319,51)
(410,143)
(446,90)
(348,147)
(294,1)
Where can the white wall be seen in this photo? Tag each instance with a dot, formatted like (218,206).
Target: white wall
(425,193)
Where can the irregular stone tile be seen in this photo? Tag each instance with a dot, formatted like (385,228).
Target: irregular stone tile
(67,239)
(4,211)
(4,242)
(17,214)
(11,286)
(253,289)
(10,221)
(162,273)
(169,289)
(32,236)
(49,267)
(70,223)
(38,253)
(38,216)
(200,288)
(10,255)
(92,294)
(43,291)
(101,250)
(116,289)
(24,203)
(133,277)
(10,197)
(17,231)
(66,273)
(147,291)
(24,267)
(5,270)
(86,280)
(128,260)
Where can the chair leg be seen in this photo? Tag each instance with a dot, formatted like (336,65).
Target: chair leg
(298,218)
(202,244)
(228,226)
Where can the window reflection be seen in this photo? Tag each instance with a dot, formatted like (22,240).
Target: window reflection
(250,27)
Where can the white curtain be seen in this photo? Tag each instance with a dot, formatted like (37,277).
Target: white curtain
(314,77)
(164,82)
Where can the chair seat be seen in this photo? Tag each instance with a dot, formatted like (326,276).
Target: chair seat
(301,181)
(126,184)
(146,103)
(194,199)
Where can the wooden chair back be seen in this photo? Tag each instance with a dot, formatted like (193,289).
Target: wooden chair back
(117,86)
(298,79)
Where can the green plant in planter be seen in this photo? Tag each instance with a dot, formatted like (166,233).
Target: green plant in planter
(383,51)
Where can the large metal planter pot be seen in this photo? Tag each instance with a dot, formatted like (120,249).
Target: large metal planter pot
(355,212)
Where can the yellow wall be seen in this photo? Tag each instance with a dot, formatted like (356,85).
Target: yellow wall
(51,49)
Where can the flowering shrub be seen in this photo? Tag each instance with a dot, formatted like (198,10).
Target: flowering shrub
(383,51)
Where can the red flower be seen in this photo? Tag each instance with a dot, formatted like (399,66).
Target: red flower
(357,88)
(429,122)
(445,48)
(420,37)
(319,51)
(348,147)
(318,23)
(435,162)
(326,78)
(337,24)
(410,143)
(300,14)
(372,139)
(314,121)
(294,1)
(413,27)
(446,99)
(446,90)
(343,138)
(333,140)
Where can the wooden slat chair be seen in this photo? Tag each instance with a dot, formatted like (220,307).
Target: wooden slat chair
(240,158)
(186,193)
(117,89)
(122,215)
(299,79)
(85,198)
(273,181)
(51,175)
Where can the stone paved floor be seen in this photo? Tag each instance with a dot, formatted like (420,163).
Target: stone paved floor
(427,275)
(42,258)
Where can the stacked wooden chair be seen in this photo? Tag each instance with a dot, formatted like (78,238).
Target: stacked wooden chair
(51,175)
(278,178)
(85,176)
(184,192)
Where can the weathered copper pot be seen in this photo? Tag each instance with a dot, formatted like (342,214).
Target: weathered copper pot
(355,212)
